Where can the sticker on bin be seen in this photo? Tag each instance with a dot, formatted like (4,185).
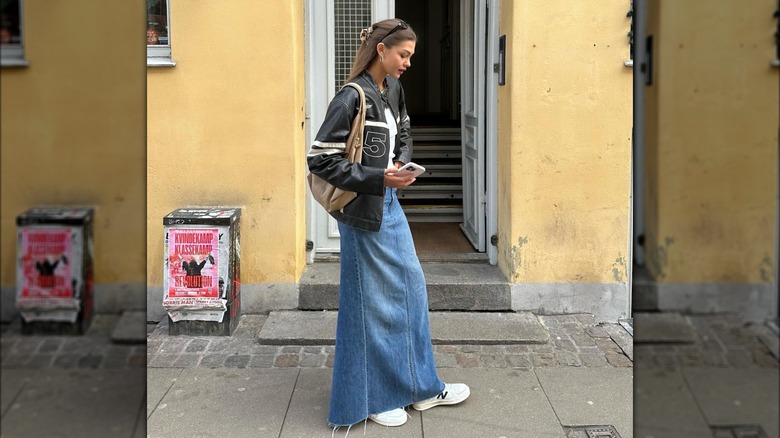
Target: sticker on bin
(47,259)
(194,261)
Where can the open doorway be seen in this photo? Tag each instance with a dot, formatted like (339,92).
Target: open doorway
(434,204)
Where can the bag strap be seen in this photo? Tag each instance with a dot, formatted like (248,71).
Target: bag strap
(355,138)
(362,109)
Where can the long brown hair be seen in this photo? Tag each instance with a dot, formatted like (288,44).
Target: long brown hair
(389,32)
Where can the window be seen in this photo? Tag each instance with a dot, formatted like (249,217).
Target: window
(351,17)
(11,48)
(158,42)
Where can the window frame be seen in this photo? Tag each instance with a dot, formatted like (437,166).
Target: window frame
(160,55)
(12,55)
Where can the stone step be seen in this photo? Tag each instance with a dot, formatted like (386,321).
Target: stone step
(451,286)
(131,328)
(292,327)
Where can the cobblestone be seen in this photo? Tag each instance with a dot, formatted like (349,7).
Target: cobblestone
(470,349)
(565,345)
(117,357)
(515,349)
(286,360)
(212,360)
(492,349)
(66,360)
(466,360)
(720,341)
(312,360)
(597,332)
(90,361)
(764,359)
(543,359)
(582,342)
(444,360)
(174,345)
(567,359)
(518,361)
(492,361)
(262,361)
(218,345)
(163,360)
(593,360)
(618,360)
(237,361)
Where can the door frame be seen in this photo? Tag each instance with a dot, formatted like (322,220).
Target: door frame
(491,129)
(318,52)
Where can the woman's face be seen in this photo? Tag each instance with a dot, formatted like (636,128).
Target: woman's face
(398,58)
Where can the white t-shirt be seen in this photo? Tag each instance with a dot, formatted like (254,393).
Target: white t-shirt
(393,127)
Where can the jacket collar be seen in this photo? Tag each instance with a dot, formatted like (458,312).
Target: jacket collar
(366,76)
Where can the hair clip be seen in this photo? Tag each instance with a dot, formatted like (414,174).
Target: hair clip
(365,34)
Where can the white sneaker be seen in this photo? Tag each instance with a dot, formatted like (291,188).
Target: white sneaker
(395,417)
(453,394)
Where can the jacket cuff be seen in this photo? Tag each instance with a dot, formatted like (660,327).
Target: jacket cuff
(375,180)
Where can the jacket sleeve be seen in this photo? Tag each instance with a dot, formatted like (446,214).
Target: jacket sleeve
(404,153)
(326,157)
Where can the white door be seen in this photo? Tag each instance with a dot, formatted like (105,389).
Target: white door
(332,35)
(473,119)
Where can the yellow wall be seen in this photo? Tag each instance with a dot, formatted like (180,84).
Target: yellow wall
(565,142)
(226,127)
(73,128)
(712,164)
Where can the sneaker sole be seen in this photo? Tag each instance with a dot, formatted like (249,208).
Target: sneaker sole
(431,404)
(387,423)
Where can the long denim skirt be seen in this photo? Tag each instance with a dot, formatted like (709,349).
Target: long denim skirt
(384,358)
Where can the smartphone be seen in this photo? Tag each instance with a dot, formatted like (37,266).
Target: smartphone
(413,168)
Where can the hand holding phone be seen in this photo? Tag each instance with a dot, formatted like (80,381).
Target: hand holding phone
(413,168)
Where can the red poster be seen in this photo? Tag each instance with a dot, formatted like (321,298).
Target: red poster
(193,259)
(46,263)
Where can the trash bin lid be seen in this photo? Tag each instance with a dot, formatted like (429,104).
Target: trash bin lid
(202,216)
(64,215)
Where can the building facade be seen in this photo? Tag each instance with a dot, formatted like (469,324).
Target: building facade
(558,155)
(72,93)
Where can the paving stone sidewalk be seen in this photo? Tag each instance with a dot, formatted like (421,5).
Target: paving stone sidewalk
(720,341)
(575,341)
(92,350)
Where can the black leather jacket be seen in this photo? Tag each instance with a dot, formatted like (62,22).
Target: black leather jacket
(326,156)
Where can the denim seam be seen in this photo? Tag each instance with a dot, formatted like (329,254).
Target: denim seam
(410,344)
(363,322)
(412,371)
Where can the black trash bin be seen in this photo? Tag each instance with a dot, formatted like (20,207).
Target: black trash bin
(54,272)
(201,284)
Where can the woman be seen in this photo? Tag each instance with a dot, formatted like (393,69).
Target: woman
(384,359)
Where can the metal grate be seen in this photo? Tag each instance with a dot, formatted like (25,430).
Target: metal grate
(351,16)
(591,432)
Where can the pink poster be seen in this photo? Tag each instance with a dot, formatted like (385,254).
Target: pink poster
(46,263)
(193,261)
